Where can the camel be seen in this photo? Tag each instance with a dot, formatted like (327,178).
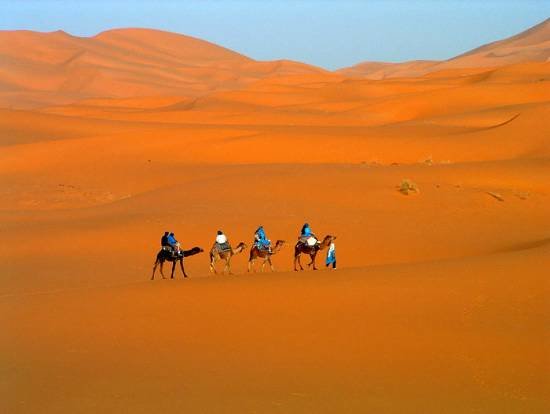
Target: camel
(166,256)
(264,254)
(226,255)
(311,251)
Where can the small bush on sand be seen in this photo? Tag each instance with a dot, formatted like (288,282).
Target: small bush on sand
(407,187)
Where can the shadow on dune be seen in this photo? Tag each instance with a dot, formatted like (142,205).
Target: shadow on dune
(535,244)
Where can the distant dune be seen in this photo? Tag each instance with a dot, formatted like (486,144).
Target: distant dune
(42,69)
(383,70)
(532,45)
(37,69)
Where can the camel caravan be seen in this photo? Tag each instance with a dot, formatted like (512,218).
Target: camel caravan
(261,250)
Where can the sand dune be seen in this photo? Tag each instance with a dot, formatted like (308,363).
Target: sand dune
(383,70)
(458,336)
(37,69)
(455,118)
(439,303)
(532,45)
(43,69)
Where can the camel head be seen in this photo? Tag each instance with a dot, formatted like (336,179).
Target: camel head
(193,251)
(240,247)
(278,245)
(327,241)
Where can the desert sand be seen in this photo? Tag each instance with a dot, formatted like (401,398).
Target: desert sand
(532,45)
(440,300)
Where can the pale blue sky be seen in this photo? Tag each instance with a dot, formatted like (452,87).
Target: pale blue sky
(330,34)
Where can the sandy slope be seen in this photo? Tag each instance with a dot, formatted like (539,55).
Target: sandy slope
(440,301)
(532,45)
(38,69)
(383,70)
(459,336)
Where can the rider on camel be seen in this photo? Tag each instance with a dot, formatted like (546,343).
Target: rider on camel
(164,241)
(221,241)
(307,236)
(261,241)
(174,244)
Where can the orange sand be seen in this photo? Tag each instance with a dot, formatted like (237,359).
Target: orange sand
(440,302)
(532,45)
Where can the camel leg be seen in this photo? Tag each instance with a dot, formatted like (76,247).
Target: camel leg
(228,266)
(251,260)
(160,268)
(313,256)
(297,260)
(154,268)
(263,265)
(182,268)
(173,268)
(270,264)
(212,264)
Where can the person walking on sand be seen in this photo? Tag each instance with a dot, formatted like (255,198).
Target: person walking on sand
(331,256)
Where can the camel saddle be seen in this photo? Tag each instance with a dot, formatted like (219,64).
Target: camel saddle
(223,247)
(262,247)
(308,241)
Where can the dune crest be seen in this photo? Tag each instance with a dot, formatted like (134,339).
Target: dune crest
(531,45)
(38,69)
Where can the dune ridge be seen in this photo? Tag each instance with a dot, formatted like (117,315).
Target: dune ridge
(42,69)
(38,69)
(531,45)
